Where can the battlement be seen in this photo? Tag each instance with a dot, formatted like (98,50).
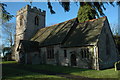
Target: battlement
(31,9)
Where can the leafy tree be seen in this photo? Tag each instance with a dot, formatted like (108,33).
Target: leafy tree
(87,10)
(5,16)
(90,10)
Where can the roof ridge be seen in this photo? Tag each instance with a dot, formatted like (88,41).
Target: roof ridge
(55,29)
(78,23)
(74,18)
(61,22)
(92,20)
(55,24)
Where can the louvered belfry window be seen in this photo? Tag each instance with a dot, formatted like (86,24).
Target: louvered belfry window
(36,20)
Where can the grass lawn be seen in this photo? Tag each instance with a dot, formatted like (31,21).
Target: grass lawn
(8,62)
(107,73)
(12,70)
(10,73)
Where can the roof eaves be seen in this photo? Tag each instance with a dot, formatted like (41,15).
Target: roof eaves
(63,22)
(92,20)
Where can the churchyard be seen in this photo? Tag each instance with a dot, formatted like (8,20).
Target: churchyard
(12,70)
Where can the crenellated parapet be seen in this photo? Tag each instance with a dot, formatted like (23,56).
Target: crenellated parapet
(31,9)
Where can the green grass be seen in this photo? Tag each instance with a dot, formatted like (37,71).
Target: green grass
(12,70)
(107,73)
(8,62)
(22,74)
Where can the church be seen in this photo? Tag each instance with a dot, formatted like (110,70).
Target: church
(89,44)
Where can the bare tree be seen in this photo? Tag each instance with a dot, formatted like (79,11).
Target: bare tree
(114,28)
(8,32)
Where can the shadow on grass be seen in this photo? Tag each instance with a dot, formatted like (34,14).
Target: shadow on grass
(15,71)
(27,71)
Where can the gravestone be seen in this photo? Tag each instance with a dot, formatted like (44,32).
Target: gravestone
(117,66)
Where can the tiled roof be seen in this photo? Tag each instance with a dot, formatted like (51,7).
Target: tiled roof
(70,33)
(29,46)
(85,33)
(53,34)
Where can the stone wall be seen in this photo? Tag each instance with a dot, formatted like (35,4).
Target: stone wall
(106,59)
(25,25)
(81,62)
(31,57)
(66,61)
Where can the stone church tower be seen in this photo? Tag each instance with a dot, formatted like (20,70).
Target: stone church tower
(28,21)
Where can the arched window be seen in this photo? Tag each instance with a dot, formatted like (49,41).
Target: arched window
(36,20)
(21,20)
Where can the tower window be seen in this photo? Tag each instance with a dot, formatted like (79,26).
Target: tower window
(21,20)
(36,20)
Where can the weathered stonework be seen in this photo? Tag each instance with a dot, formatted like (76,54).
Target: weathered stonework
(66,61)
(25,25)
(87,45)
(107,60)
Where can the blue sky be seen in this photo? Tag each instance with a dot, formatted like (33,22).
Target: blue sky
(61,15)
(51,19)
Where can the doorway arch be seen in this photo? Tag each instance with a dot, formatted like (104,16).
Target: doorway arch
(73,60)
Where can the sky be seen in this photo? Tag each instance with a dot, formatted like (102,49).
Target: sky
(51,19)
(60,16)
